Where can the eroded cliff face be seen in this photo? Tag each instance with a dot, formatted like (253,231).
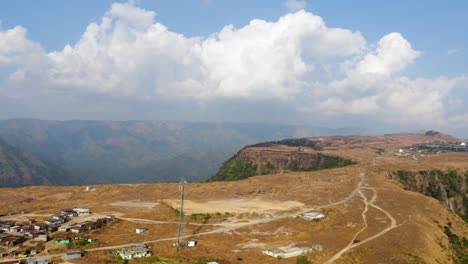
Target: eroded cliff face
(449,187)
(271,161)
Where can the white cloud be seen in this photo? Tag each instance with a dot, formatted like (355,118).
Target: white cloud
(295,5)
(393,54)
(128,54)
(15,48)
(295,61)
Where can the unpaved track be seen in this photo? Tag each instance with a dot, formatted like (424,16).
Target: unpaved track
(352,245)
(147,221)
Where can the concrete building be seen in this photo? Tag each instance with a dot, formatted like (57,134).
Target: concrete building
(134,252)
(64,229)
(72,255)
(15,229)
(82,211)
(286,253)
(36,261)
(76,229)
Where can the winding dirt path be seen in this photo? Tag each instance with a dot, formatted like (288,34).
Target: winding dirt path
(352,245)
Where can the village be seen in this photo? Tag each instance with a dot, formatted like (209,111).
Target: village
(23,241)
(431,147)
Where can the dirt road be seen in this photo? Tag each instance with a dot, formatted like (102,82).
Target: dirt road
(351,244)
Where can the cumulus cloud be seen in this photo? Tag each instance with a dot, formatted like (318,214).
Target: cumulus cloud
(130,54)
(295,5)
(297,61)
(393,54)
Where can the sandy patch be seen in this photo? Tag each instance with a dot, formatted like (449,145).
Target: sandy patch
(149,205)
(235,206)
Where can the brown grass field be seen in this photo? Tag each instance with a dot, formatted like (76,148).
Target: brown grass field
(261,212)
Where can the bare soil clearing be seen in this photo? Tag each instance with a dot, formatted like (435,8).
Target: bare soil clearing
(237,206)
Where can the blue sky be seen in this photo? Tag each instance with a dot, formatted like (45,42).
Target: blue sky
(429,61)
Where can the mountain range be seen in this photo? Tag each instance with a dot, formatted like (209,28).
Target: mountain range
(91,152)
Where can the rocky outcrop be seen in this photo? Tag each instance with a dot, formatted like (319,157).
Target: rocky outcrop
(449,187)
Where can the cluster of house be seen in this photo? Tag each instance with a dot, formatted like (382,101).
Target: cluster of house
(12,234)
(441,146)
(28,261)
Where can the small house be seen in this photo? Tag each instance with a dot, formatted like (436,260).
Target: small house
(41,237)
(191,243)
(72,255)
(76,229)
(6,227)
(15,229)
(64,229)
(40,227)
(26,229)
(53,228)
(11,241)
(140,230)
(68,213)
(286,253)
(82,211)
(134,252)
(36,261)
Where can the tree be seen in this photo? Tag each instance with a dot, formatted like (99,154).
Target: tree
(303,260)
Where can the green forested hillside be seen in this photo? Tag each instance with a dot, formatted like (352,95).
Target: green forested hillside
(18,167)
(248,163)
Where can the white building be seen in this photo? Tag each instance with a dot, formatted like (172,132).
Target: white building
(64,228)
(312,216)
(82,211)
(140,230)
(286,253)
(191,243)
(463,144)
(134,252)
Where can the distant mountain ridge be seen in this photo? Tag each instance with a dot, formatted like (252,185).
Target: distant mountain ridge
(143,151)
(18,167)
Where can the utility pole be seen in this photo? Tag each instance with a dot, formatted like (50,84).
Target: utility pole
(181,214)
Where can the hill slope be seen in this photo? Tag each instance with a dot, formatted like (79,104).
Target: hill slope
(18,167)
(369,218)
(277,157)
